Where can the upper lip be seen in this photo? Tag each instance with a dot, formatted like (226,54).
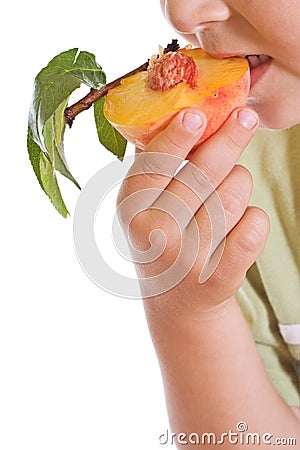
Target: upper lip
(211,42)
(254,60)
(242,55)
(227,55)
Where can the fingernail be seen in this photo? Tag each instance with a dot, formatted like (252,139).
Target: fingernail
(191,121)
(248,119)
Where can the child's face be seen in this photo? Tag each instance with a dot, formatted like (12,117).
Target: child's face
(250,27)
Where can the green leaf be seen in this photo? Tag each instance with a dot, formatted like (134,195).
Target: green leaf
(88,71)
(46,124)
(50,185)
(34,152)
(53,132)
(109,137)
(45,175)
(57,81)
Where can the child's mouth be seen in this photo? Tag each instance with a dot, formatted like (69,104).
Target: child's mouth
(258,65)
(256,60)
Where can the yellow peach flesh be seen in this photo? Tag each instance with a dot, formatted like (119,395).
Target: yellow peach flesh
(139,112)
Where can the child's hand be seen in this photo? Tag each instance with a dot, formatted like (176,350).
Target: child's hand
(209,203)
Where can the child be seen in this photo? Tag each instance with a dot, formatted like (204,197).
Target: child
(228,347)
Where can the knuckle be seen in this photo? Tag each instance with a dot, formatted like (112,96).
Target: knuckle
(238,190)
(250,241)
(121,196)
(125,206)
(138,222)
(148,164)
(151,228)
(246,172)
(200,180)
(232,202)
(204,175)
(227,277)
(145,222)
(167,142)
(153,165)
(152,177)
(232,144)
(218,278)
(139,229)
(122,213)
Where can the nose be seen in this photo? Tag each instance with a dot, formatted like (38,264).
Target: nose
(190,16)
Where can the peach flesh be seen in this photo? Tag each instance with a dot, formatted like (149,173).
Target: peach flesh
(139,112)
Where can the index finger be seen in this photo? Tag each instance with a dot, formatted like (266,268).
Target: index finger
(213,160)
(157,164)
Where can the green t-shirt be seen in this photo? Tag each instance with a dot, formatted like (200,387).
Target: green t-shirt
(270,295)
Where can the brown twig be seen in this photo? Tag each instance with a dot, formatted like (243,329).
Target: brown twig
(86,102)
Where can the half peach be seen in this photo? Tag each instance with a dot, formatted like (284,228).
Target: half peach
(142,106)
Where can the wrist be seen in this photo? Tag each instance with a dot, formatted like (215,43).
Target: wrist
(172,313)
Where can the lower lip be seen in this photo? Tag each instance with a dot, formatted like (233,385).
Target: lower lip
(258,72)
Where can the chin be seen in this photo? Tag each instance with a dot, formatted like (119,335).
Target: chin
(275,117)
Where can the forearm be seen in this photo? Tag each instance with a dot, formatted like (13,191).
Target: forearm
(212,374)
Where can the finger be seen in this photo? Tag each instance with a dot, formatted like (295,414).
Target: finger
(223,209)
(181,134)
(213,160)
(243,245)
(218,154)
(161,158)
(213,221)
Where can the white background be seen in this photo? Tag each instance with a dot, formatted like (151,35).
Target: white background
(78,370)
